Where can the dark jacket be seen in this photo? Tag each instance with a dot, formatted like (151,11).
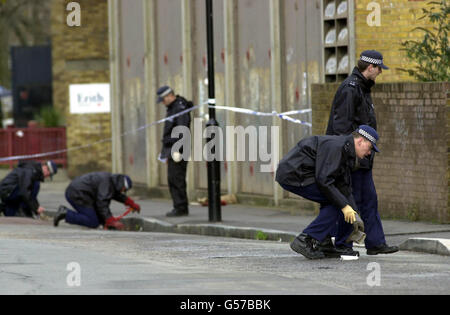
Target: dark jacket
(23,177)
(179,105)
(325,160)
(96,190)
(352,107)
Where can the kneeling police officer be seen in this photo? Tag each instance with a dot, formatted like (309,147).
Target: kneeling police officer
(90,195)
(20,188)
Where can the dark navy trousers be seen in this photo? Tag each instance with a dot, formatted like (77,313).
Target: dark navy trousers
(13,203)
(367,202)
(326,223)
(176,178)
(83,215)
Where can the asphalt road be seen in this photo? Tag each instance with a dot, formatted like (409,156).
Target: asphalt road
(35,259)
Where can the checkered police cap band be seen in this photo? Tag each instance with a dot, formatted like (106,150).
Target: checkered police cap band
(166,92)
(368,136)
(50,168)
(372,60)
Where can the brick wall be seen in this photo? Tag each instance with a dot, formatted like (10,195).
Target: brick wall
(81,55)
(412,172)
(447,134)
(398,18)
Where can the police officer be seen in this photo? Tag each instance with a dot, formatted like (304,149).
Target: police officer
(20,188)
(353,106)
(319,168)
(176,166)
(90,195)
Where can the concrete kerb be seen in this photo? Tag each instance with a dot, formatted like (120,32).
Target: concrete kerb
(154,225)
(139,224)
(437,246)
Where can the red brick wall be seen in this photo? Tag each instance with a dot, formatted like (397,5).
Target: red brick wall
(412,172)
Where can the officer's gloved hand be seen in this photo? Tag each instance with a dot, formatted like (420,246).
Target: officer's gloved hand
(113,224)
(349,214)
(130,203)
(176,156)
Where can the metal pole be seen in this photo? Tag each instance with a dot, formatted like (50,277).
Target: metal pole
(214,206)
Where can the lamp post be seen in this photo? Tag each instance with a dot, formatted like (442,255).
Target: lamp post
(214,205)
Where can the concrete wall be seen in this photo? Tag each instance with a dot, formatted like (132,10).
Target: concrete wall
(412,172)
(80,55)
(134,113)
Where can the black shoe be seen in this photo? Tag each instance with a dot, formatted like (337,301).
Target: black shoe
(330,251)
(307,246)
(382,249)
(177,213)
(326,246)
(60,215)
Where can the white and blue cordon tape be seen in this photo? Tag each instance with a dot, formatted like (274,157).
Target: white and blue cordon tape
(284,116)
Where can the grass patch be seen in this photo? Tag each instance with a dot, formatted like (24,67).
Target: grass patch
(261,236)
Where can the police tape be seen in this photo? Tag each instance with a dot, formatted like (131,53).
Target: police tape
(271,114)
(170,118)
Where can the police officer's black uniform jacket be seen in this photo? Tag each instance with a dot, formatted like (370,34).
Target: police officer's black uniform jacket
(23,177)
(96,190)
(180,104)
(325,160)
(352,107)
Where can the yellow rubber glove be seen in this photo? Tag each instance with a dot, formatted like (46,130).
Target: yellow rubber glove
(349,214)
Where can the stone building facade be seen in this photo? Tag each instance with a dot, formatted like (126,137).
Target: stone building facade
(80,54)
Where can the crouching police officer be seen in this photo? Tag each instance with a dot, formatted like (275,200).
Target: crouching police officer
(20,188)
(90,195)
(319,169)
(176,166)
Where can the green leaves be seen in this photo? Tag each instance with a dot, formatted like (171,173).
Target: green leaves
(431,55)
(49,117)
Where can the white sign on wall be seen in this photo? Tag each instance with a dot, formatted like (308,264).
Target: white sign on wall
(89,98)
